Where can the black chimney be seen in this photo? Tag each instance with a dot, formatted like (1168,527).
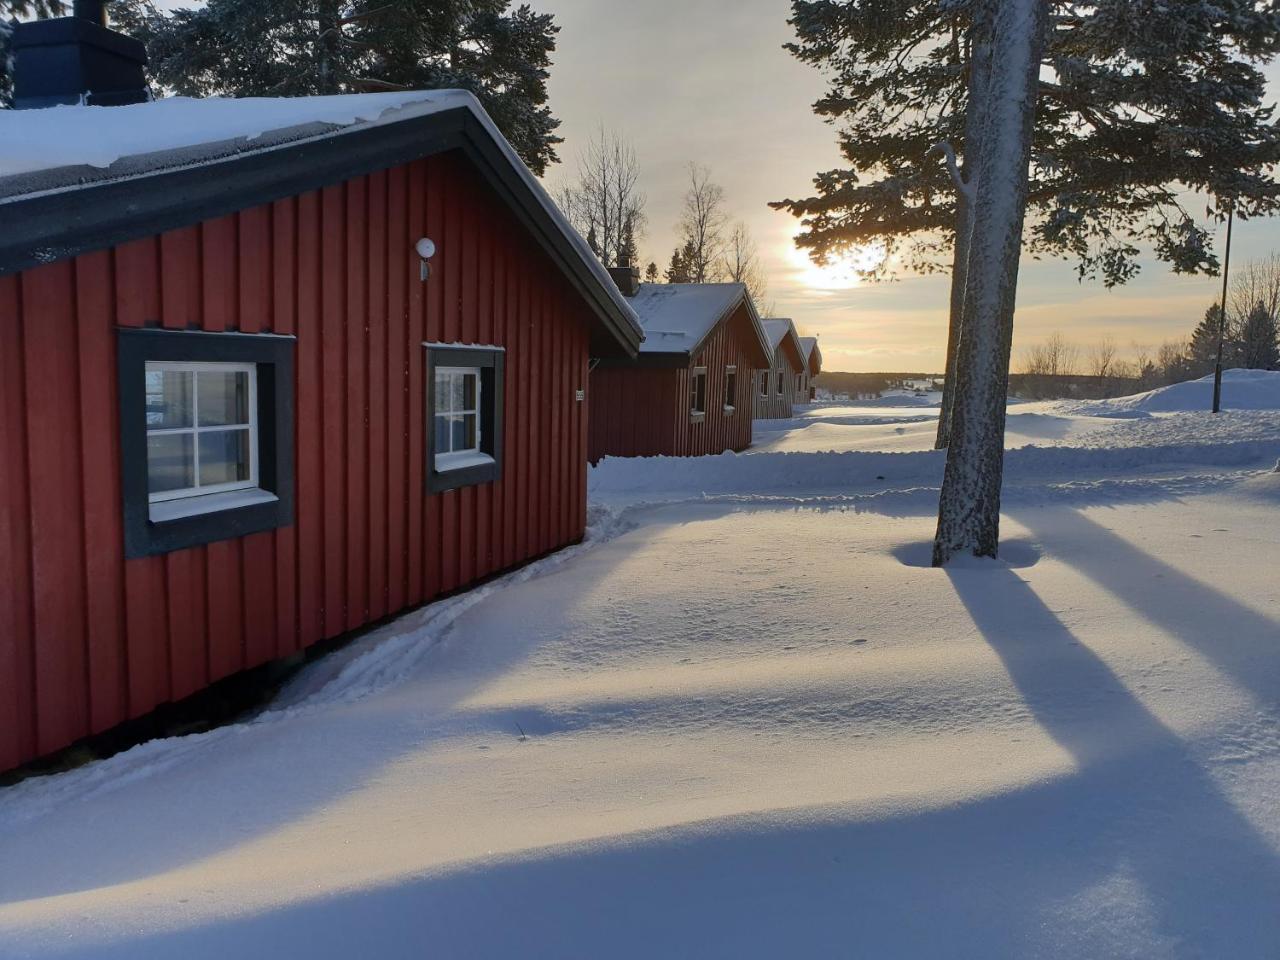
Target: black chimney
(627,278)
(77,59)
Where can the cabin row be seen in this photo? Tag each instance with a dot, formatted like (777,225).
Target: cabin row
(277,370)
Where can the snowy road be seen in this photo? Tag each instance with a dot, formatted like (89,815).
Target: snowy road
(749,724)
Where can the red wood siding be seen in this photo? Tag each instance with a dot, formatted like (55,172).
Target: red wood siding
(88,639)
(776,405)
(641,411)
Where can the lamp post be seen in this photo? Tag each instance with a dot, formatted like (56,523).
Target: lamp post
(1222,317)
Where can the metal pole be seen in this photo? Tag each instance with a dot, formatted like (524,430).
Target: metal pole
(1222,317)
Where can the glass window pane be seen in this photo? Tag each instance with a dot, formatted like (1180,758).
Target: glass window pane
(442,434)
(224,457)
(168,399)
(456,391)
(469,391)
(223,397)
(442,391)
(464,432)
(170,462)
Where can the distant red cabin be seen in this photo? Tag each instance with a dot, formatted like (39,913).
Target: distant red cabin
(688,392)
(813,367)
(781,386)
(247,408)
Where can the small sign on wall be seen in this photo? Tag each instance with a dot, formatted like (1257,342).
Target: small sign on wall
(579,394)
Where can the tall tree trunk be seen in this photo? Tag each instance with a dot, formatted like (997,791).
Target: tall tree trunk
(979,44)
(969,507)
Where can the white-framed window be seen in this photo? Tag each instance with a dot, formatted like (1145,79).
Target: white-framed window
(779,387)
(698,393)
(201,429)
(456,419)
(730,388)
(764,383)
(464,415)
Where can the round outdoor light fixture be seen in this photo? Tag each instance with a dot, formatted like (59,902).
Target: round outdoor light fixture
(426,249)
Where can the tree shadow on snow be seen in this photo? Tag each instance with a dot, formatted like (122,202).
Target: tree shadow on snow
(1140,805)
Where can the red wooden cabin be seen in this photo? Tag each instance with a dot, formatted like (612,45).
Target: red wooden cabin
(813,366)
(247,408)
(777,389)
(688,392)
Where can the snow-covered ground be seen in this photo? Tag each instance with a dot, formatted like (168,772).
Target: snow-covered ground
(746,719)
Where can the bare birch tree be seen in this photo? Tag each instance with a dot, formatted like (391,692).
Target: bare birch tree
(702,225)
(605,198)
(741,262)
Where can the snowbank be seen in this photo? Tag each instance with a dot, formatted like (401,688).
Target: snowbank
(1241,390)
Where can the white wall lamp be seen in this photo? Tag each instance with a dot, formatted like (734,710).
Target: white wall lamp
(426,249)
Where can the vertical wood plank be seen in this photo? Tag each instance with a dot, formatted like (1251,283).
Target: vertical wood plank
(219,259)
(57,534)
(103,547)
(17,637)
(254,286)
(397,386)
(309,469)
(376,313)
(333,394)
(357,406)
(180,278)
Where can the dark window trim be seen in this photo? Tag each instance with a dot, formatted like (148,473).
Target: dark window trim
(492,363)
(273,355)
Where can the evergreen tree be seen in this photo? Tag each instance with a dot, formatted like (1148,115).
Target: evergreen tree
(593,241)
(1203,353)
(628,255)
(651,272)
(1135,100)
(678,268)
(1259,349)
(300,47)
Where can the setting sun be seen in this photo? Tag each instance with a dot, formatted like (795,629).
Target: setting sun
(841,272)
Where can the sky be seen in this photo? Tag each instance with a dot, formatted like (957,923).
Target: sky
(708,81)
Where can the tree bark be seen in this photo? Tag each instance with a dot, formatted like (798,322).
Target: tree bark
(969,507)
(979,72)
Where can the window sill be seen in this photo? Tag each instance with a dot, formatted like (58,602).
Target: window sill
(446,462)
(168,510)
(729,409)
(697,417)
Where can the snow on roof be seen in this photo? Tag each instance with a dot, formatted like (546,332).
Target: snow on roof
(40,150)
(67,136)
(806,346)
(676,317)
(776,328)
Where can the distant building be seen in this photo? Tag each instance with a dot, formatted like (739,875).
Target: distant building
(776,389)
(813,366)
(688,392)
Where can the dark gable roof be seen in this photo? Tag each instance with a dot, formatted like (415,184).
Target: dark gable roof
(51,215)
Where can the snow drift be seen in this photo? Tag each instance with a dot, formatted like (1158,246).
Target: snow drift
(1241,390)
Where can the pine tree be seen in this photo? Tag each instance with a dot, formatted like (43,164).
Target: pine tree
(969,505)
(678,268)
(1259,349)
(1203,353)
(651,272)
(1136,99)
(593,241)
(300,47)
(628,255)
